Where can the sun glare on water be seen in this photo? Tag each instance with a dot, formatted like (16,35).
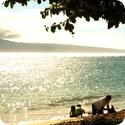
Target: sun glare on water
(48,54)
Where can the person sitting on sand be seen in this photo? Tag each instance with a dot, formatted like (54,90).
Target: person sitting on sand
(112,110)
(79,111)
(99,105)
(72,111)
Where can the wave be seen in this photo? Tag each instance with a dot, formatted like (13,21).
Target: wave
(66,101)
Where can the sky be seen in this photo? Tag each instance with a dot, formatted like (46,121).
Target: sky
(24,24)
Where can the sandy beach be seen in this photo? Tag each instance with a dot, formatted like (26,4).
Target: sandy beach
(49,122)
(106,119)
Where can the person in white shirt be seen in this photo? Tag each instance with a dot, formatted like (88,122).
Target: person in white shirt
(99,105)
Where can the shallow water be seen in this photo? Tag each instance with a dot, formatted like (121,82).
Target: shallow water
(33,86)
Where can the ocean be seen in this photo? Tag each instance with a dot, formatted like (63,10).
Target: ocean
(37,86)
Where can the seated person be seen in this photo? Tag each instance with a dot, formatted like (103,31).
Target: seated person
(79,111)
(112,110)
(72,111)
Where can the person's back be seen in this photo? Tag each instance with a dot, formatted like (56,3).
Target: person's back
(98,106)
(72,111)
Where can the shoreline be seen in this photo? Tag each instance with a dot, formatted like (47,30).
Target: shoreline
(106,119)
(50,122)
(41,116)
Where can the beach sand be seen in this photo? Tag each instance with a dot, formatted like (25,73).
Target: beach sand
(39,122)
(49,122)
(113,118)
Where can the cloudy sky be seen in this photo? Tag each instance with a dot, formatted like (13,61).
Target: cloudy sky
(24,24)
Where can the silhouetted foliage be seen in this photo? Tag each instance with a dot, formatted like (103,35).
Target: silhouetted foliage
(113,11)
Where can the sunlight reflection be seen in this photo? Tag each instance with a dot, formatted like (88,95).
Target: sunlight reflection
(52,54)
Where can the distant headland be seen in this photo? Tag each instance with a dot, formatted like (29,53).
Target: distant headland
(9,46)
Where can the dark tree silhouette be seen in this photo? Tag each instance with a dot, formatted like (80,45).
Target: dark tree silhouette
(113,11)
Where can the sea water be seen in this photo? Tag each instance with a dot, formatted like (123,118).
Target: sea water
(33,86)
